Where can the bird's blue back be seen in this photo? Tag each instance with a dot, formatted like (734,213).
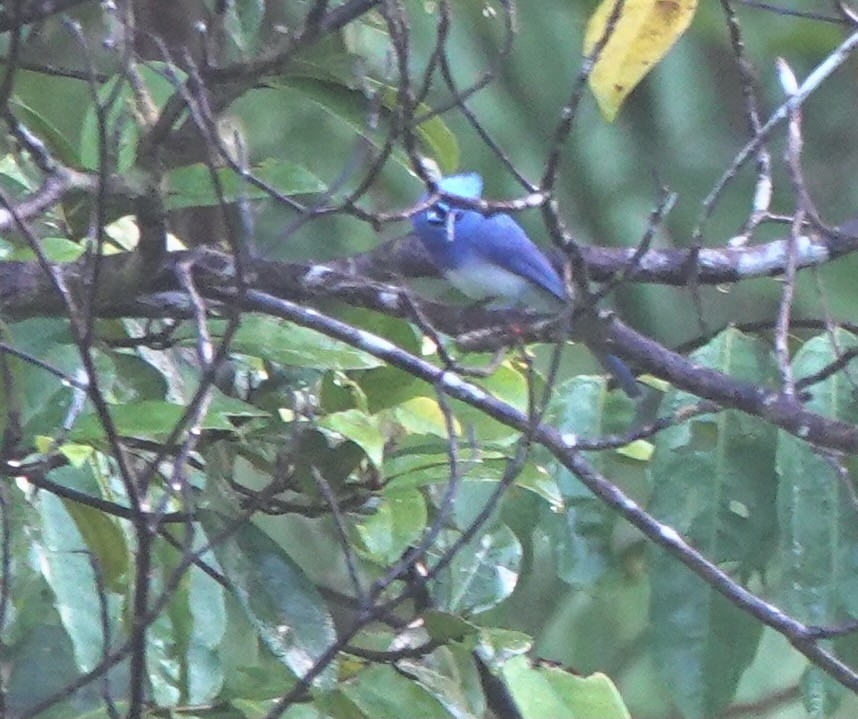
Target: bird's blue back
(492,257)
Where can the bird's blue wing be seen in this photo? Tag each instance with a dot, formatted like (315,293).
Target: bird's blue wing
(500,240)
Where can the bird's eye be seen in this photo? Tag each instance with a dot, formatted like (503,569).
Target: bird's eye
(437,214)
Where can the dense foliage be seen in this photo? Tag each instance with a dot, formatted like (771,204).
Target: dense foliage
(259,461)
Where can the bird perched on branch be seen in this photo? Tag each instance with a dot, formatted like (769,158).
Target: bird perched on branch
(491,258)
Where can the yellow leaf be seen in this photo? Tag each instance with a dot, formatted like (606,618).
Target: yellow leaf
(422,415)
(644,32)
(76,454)
(639,449)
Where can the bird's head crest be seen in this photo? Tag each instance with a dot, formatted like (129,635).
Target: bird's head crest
(468,185)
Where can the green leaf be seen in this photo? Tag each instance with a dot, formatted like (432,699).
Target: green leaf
(149,419)
(443,627)
(435,135)
(242,22)
(56,249)
(582,531)
(601,621)
(451,678)
(714,483)
(422,415)
(289,344)
(44,399)
(497,645)
(640,450)
(380,691)
(509,385)
(481,575)
(547,693)
(65,564)
(339,391)
(163,639)
(136,379)
(416,466)
(395,525)
(281,603)
(532,692)
(76,454)
(207,609)
(822,695)
(26,588)
(54,140)
(388,387)
(44,665)
(819,535)
(351,107)
(120,120)
(192,186)
(316,450)
(206,602)
(537,479)
(14,178)
(103,538)
(251,672)
(226,406)
(700,640)
(362,429)
(205,675)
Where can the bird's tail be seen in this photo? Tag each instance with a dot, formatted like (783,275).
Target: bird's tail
(621,373)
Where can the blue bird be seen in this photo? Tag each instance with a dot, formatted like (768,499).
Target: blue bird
(491,258)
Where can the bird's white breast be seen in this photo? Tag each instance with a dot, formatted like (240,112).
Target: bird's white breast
(481,281)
